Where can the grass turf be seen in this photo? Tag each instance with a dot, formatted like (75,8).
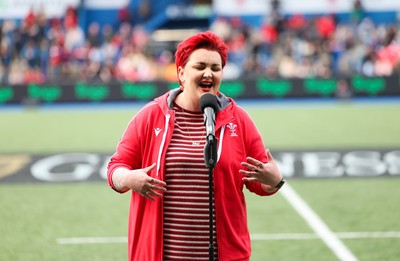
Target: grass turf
(345,126)
(34,216)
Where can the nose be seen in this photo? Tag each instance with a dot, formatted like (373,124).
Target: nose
(207,73)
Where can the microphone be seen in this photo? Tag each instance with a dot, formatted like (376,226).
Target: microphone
(209,106)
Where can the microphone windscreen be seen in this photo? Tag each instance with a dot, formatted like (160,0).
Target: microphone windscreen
(208,100)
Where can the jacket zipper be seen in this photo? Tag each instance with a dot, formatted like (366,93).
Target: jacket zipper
(166,127)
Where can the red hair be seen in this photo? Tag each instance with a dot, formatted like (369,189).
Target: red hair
(207,40)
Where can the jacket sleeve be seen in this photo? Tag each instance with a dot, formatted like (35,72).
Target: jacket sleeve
(128,151)
(255,148)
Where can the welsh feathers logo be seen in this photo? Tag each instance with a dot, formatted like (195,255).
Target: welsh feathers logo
(232,127)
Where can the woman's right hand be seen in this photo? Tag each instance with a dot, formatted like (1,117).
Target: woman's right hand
(140,181)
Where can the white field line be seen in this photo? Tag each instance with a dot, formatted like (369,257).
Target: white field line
(91,240)
(316,224)
(254,237)
(342,235)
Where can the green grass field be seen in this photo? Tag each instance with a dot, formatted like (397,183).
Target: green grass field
(36,218)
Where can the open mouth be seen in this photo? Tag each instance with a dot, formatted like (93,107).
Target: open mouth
(206,86)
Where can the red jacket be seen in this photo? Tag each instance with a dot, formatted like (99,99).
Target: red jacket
(145,141)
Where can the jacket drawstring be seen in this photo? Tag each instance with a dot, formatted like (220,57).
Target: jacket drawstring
(168,116)
(221,137)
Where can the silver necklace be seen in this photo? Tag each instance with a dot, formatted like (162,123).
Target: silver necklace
(194,142)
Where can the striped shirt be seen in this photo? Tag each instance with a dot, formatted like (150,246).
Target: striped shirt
(186,202)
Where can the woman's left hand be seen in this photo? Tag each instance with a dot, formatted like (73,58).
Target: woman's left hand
(265,173)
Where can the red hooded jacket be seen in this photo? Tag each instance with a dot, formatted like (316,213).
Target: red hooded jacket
(145,142)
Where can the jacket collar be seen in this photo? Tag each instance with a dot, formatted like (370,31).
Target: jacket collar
(224,115)
(223,101)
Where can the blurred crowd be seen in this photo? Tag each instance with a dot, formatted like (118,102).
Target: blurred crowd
(41,50)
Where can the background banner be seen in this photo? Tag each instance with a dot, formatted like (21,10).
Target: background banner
(258,88)
(79,167)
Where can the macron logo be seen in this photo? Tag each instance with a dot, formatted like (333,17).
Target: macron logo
(157,131)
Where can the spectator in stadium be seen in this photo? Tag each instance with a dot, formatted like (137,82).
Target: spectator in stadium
(160,160)
(281,47)
(357,13)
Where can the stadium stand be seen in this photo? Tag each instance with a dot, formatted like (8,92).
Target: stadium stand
(42,50)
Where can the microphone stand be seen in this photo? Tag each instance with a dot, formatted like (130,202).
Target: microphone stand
(210,157)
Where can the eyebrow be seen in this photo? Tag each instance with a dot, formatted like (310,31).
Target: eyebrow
(203,63)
